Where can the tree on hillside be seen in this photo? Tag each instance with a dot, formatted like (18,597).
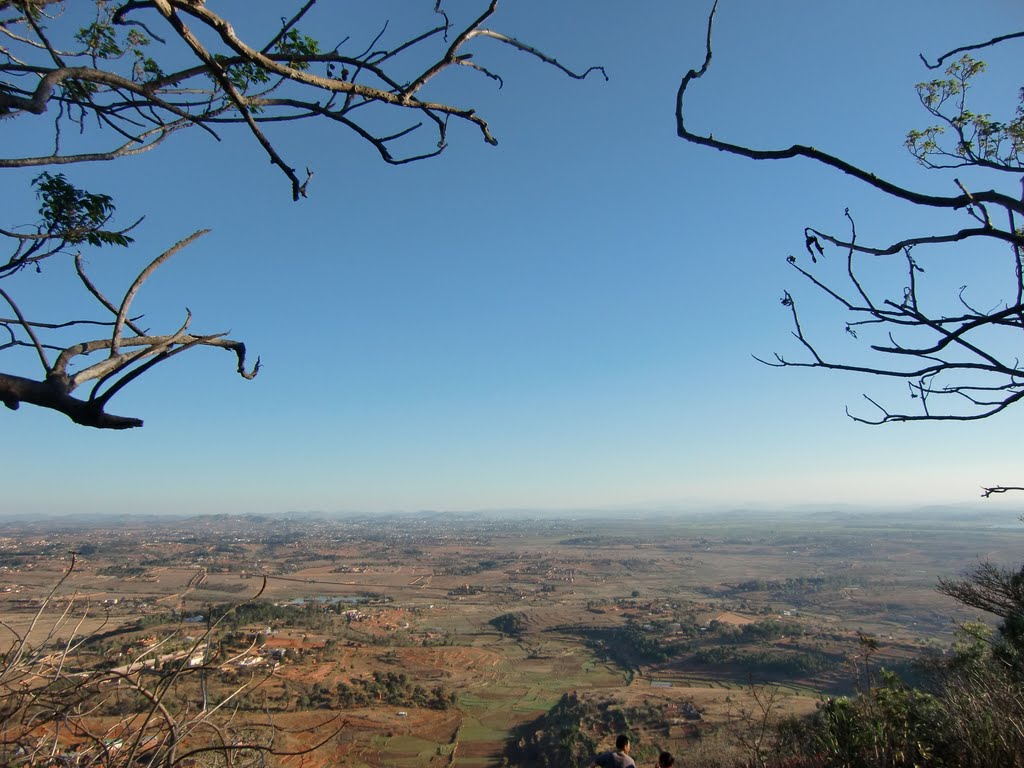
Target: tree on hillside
(133,74)
(999,591)
(958,353)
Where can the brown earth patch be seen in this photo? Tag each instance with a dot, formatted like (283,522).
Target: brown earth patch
(735,619)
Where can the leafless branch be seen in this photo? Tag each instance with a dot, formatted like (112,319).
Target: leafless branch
(963,49)
(997,489)
(129,296)
(799,150)
(29,330)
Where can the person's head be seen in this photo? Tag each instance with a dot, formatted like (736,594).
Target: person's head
(622,743)
(665,760)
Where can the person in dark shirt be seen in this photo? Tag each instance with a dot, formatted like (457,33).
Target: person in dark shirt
(665,760)
(619,758)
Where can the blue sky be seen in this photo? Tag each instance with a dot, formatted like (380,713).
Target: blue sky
(565,320)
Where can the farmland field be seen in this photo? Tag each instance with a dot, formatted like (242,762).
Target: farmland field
(452,640)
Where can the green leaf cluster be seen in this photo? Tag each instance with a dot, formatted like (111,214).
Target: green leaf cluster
(891,725)
(978,137)
(103,40)
(295,43)
(100,40)
(242,75)
(73,214)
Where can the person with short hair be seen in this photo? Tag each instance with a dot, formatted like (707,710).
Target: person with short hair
(619,758)
(665,760)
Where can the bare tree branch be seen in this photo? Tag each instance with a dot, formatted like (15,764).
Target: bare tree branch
(799,150)
(997,489)
(963,49)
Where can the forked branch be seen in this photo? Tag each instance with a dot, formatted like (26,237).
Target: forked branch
(128,358)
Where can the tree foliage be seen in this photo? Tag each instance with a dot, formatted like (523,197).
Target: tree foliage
(126,78)
(509,623)
(968,709)
(971,714)
(999,591)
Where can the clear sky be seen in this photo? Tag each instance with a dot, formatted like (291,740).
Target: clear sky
(566,320)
